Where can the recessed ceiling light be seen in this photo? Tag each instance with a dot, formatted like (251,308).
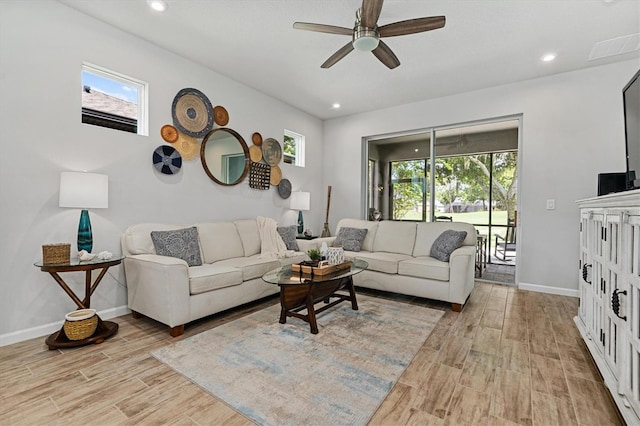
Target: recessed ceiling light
(157,5)
(335,106)
(548,57)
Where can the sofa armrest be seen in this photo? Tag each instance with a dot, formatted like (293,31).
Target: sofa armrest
(461,273)
(158,287)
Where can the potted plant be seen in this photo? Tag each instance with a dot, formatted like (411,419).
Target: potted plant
(315,256)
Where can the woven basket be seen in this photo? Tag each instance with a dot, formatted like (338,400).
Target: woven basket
(80,324)
(55,254)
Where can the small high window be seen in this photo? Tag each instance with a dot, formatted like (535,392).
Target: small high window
(293,148)
(114,100)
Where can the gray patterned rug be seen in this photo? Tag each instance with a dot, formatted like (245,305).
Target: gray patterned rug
(281,374)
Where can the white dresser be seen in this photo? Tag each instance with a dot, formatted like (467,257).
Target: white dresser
(609,314)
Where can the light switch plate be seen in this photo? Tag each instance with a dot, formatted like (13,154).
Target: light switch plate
(551,204)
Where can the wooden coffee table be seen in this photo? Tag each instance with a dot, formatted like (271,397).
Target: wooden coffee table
(303,291)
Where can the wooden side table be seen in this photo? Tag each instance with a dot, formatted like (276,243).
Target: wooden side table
(105,329)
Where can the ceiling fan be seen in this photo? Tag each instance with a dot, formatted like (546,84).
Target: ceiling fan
(366,33)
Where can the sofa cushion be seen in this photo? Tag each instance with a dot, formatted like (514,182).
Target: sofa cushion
(249,235)
(288,235)
(379,261)
(180,243)
(211,277)
(425,267)
(395,237)
(446,243)
(251,267)
(296,258)
(350,238)
(372,227)
(219,241)
(428,232)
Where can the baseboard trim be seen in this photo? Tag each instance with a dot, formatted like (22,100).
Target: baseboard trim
(551,290)
(46,329)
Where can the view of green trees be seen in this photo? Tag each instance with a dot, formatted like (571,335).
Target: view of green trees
(465,179)
(289,148)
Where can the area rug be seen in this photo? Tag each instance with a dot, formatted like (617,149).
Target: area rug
(281,374)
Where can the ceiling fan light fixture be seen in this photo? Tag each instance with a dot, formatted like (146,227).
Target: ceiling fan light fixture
(365,39)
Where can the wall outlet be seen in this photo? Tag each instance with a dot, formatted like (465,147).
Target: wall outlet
(551,204)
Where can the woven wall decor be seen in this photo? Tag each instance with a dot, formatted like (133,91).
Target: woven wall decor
(259,175)
(220,115)
(192,112)
(167,160)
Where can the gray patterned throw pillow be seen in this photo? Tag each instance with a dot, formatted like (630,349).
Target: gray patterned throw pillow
(288,234)
(350,238)
(446,243)
(181,243)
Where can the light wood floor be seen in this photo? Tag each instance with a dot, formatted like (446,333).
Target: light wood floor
(510,357)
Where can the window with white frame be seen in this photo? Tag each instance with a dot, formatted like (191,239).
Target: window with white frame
(293,149)
(114,100)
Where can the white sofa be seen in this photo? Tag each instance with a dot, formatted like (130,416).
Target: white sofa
(399,261)
(169,291)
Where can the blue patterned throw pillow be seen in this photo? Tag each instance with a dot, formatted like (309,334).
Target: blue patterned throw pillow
(350,238)
(288,234)
(181,243)
(446,243)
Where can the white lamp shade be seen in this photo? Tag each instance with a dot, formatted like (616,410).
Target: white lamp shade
(84,190)
(300,200)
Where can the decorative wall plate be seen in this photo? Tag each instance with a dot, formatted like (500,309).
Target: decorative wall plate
(192,112)
(255,153)
(271,151)
(276,175)
(169,133)
(187,146)
(220,115)
(167,160)
(256,138)
(284,188)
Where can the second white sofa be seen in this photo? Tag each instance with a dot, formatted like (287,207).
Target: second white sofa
(399,259)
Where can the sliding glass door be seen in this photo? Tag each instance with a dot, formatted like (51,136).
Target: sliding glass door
(474,179)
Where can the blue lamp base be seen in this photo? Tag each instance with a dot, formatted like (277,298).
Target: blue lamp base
(85,237)
(300,222)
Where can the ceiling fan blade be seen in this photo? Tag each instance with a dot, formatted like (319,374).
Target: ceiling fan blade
(321,28)
(412,26)
(370,12)
(386,56)
(346,49)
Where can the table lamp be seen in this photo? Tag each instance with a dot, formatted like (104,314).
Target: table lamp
(84,191)
(300,201)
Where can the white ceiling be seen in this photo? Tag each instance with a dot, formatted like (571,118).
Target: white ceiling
(484,43)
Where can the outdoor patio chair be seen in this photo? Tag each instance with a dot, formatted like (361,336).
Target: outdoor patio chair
(506,246)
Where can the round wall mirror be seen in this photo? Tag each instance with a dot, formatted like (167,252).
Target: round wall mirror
(225,156)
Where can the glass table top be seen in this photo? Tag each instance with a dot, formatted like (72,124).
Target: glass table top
(73,262)
(284,274)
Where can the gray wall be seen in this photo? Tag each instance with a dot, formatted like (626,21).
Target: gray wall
(572,130)
(42,47)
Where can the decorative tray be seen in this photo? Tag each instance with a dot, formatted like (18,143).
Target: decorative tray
(321,269)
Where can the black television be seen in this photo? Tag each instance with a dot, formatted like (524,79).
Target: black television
(631,97)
